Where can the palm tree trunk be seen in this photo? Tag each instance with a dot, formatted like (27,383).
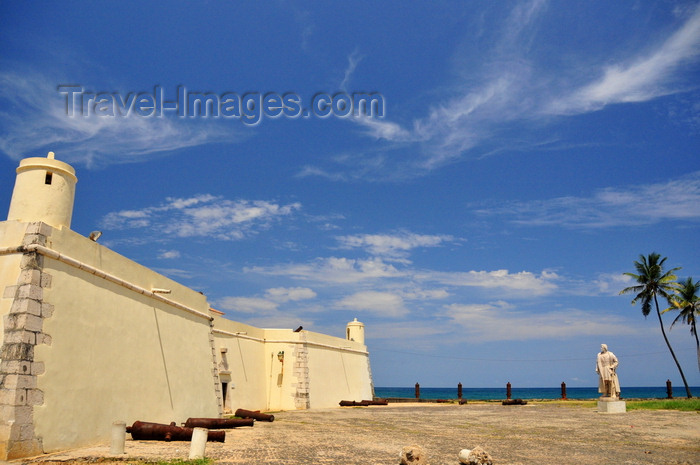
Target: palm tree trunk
(697,343)
(663,331)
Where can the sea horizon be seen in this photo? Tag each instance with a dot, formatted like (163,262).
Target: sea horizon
(471,393)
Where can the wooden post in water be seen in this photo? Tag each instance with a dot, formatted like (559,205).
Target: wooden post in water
(508,391)
(417,391)
(459,391)
(669,389)
(563,390)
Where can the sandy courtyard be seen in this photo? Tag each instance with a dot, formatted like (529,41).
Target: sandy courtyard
(538,433)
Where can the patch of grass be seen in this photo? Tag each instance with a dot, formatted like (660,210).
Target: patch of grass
(570,403)
(687,405)
(204,461)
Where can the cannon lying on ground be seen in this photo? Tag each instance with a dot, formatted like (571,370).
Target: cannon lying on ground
(363,403)
(218,423)
(514,402)
(255,415)
(144,431)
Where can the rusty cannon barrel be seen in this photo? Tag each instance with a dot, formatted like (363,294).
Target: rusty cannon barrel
(255,415)
(218,423)
(353,403)
(363,403)
(145,431)
(377,402)
(514,402)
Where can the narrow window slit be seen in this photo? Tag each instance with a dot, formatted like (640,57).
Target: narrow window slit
(49,175)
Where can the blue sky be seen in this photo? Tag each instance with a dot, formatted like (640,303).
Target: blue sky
(528,152)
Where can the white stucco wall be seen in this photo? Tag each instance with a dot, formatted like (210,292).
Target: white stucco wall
(109,353)
(246,383)
(337,374)
(115,354)
(87,343)
(336,369)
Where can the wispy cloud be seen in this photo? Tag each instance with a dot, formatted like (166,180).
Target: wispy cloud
(333,270)
(611,283)
(513,86)
(286,294)
(677,199)
(353,60)
(254,305)
(202,216)
(499,321)
(276,307)
(378,303)
(169,254)
(267,303)
(382,275)
(523,283)
(34,120)
(392,245)
(641,78)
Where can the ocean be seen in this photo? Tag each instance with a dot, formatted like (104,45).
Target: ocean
(655,392)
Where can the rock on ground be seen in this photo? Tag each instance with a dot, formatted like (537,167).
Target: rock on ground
(413,455)
(476,456)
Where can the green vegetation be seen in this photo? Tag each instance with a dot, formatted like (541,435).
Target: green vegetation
(569,403)
(687,303)
(688,405)
(113,460)
(653,282)
(204,461)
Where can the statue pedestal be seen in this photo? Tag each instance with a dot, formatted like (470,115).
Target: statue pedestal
(611,405)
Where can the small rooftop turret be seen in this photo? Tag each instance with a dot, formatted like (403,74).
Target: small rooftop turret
(44,191)
(355,331)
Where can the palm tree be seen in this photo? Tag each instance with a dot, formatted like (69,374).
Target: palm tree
(653,282)
(687,302)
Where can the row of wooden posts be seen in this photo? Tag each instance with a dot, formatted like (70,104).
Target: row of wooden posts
(669,390)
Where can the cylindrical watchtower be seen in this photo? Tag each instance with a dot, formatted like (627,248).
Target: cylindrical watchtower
(355,331)
(44,191)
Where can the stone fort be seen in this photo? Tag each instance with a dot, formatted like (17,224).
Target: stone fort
(90,337)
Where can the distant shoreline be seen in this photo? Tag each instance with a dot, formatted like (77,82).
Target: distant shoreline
(409,400)
(432,394)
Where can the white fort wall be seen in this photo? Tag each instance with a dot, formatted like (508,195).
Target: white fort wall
(122,354)
(279,369)
(107,352)
(88,339)
(103,348)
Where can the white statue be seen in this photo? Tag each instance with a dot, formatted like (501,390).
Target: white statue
(608,384)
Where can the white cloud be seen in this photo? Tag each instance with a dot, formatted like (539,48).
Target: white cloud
(380,129)
(247,305)
(169,254)
(643,78)
(35,121)
(333,270)
(353,60)
(202,215)
(512,85)
(612,283)
(521,283)
(391,245)
(415,293)
(285,294)
(498,321)
(379,303)
(401,280)
(677,199)
(410,332)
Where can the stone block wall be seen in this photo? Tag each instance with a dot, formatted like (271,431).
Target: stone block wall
(23,331)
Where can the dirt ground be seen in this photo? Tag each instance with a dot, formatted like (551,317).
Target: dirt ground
(537,433)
